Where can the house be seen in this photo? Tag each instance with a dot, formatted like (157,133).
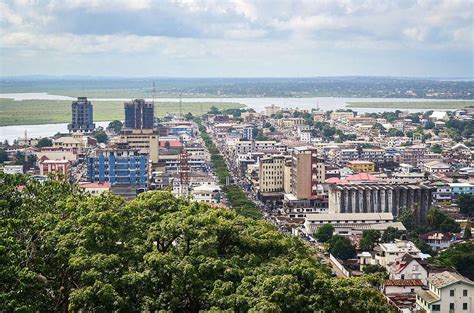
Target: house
(438,240)
(206,193)
(447,292)
(53,166)
(435,167)
(394,286)
(96,188)
(388,253)
(408,267)
(439,116)
(13,169)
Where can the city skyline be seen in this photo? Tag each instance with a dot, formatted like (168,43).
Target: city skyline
(237,38)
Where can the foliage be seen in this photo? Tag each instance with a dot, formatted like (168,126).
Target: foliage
(28,162)
(436,148)
(438,220)
(3,156)
(61,250)
(324,233)
(341,247)
(393,132)
(116,126)
(466,204)
(214,110)
(369,239)
(467,231)
(390,234)
(44,142)
(429,125)
(101,136)
(374,268)
(461,257)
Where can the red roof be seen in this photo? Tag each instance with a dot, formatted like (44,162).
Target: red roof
(173,143)
(352,178)
(404,282)
(96,185)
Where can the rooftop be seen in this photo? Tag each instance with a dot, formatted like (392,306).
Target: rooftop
(404,282)
(446,278)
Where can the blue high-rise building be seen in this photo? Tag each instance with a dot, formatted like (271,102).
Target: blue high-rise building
(82,118)
(139,114)
(119,166)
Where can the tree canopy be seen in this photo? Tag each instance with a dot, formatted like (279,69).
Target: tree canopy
(341,247)
(459,256)
(466,204)
(324,233)
(62,249)
(44,142)
(116,126)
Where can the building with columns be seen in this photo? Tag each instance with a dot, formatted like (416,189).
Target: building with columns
(379,198)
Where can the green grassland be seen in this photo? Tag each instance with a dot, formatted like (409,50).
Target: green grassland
(30,112)
(446,105)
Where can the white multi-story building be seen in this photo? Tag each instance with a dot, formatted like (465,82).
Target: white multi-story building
(388,253)
(447,292)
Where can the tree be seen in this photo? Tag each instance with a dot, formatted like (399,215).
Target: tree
(64,250)
(370,237)
(44,142)
(116,126)
(374,268)
(466,204)
(467,231)
(3,156)
(390,234)
(188,116)
(341,247)
(436,148)
(214,110)
(101,136)
(324,233)
(429,125)
(461,257)
(393,132)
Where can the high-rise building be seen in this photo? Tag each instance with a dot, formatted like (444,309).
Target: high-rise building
(82,116)
(139,114)
(119,166)
(306,172)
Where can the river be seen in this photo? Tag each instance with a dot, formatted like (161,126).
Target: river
(11,133)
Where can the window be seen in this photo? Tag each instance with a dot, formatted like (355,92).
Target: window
(464,306)
(451,306)
(464,293)
(435,307)
(451,293)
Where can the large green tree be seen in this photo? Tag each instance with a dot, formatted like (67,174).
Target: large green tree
(62,249)
(459,256)
(324,233)
(466,204)
(341,247)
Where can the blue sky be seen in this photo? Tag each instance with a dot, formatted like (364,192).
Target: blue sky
(230,38)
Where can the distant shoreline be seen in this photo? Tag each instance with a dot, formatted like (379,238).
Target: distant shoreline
(445,105)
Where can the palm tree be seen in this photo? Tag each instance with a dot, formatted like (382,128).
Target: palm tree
(431,216)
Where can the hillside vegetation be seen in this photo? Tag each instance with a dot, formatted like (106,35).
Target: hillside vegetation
(63,250)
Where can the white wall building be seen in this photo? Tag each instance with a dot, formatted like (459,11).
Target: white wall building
(448,292)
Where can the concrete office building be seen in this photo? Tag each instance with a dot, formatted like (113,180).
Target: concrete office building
(139,114)
(82,119)
(306,172)
(119,166)
(271,174)
(379,198)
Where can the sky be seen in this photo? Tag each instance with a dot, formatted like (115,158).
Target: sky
(237,38)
